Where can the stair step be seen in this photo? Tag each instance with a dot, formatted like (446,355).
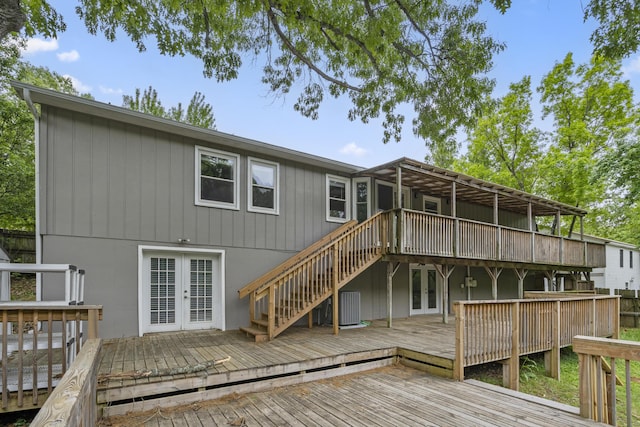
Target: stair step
(259,335)
(264,322)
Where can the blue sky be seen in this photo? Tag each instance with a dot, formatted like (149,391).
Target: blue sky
(537,33)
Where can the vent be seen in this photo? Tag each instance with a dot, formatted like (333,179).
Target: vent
(349,308)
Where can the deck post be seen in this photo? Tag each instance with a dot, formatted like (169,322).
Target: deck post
(514,362)
(454,214)
(494,273)
(391,271)
(521,273)
(334,303)
(458,363)
(445,272)
(552,357)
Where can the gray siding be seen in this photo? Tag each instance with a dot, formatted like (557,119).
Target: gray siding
(109,180)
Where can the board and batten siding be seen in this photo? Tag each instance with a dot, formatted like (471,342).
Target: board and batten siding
(111,180)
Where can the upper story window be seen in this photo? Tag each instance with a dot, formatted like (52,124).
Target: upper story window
(263,191)
(621,258)
(630,259)
(217,178)
(338,199)
(362,207)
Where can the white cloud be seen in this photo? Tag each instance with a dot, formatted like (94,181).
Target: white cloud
(110,91)
(77,84)
(352,149)
(632,67)
(36,45)
(71,56)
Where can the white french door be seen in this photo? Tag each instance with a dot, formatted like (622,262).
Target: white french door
(181,291)
(424,290)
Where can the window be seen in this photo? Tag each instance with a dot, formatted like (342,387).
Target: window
(430,204)
(338,196)
(361,199)
(630,259)
(621,258)
(263,186)
(217,178)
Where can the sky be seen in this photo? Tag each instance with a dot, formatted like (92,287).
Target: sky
(537,33)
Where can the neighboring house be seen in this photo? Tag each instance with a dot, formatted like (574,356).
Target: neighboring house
(172,223)
(623,266)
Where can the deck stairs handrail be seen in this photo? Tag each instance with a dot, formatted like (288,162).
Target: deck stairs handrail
(286,294)
(281,269)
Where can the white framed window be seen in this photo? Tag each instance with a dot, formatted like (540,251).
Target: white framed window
(264,183)
(338,198)
(217,178)
(361,198)
(431,204)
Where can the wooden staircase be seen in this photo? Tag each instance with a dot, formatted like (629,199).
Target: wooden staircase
(284,295)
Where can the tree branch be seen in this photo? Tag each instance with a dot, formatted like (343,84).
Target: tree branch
(276,26)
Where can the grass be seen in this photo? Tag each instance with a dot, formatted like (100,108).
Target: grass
(533,378)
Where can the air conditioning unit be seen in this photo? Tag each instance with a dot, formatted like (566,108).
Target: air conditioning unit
(349,308)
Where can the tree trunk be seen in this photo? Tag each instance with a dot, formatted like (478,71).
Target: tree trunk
(11,17)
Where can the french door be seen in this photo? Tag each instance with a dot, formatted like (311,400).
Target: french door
(181,291)
(424,290)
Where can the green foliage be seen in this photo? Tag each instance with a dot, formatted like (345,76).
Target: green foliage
(198,113)
(619,32)
(17,151)
(383,56)
(504,147)
(593,112)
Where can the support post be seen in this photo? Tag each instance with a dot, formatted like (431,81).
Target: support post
(454,214)
(514,363)
(552,357)
(521,273)
(445,272)
(334,305)
(494,273)
(458,363)
(391,271)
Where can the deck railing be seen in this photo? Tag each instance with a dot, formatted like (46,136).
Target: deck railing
(437,235)
(73,402)
(488,331)
(598,380)
(34,357)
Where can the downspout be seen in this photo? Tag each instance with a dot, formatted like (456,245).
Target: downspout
(26,95)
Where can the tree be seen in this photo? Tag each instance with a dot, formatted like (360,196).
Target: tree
(198,113)
(593,112)
(17,154)
(384,56)
(504,146)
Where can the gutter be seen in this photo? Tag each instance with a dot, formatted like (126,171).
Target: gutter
(26,95)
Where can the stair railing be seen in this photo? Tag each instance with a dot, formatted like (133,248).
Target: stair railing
(305,282)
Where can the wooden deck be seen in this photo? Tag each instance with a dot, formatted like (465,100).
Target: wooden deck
(389,396)
(363,376)
(298,355)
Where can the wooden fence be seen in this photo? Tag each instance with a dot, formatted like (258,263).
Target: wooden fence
(504,330)
(598,379)
(19,245)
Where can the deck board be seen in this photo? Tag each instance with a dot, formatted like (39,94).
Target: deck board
(384,397)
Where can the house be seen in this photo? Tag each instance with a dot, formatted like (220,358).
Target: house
(623,266)
(184,228)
